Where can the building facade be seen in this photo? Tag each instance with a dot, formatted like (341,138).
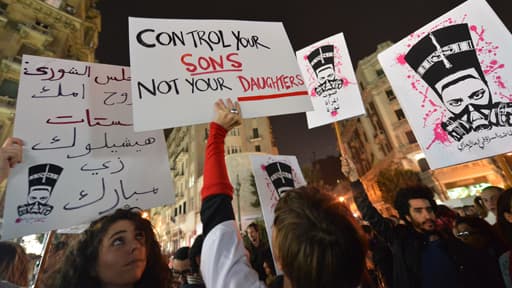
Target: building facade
(178,224)
(384,139)
(66,29)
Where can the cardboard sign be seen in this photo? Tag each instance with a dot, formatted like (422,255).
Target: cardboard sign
(453,79)
(274,174)
(81,157)
(181,67)
(331,81)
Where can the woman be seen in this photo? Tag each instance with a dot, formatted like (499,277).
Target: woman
(14,265)
(118,250)
(504,226)
(489,200)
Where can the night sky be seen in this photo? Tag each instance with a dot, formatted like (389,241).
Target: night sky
(365,23)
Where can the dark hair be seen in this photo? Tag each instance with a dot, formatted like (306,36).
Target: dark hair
(504,206)
(14,263)
(493,239)
(413,192)
(318,241)
(79,267)
(195,250)
(181,254)
(254,226)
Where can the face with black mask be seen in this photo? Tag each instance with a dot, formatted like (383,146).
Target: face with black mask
(467,97)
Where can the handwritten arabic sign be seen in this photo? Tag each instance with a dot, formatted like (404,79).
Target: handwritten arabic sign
(453,79)
(274,174)
(81,156)
(181,67)
(331,81)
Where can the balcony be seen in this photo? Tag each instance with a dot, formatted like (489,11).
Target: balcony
(37,35)
(11,67)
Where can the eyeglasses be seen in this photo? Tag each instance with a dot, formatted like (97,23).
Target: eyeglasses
(465,234)
(183,273)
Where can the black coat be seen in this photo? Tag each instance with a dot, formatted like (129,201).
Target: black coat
(407,246)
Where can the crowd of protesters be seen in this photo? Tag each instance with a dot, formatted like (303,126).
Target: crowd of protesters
(316,241)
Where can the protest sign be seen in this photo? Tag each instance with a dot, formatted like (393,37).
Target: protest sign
(81,157)
(181,67)
(274,174)
(331,81)
(453,79)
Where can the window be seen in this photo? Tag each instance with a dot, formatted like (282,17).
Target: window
(175,211)
(410,137)
(185,207)
(255,133)
(257,148)
(179,209)
(390,94)
(380,72)
(205,133)
(399,114)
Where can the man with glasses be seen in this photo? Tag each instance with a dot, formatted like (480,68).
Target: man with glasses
(181,265)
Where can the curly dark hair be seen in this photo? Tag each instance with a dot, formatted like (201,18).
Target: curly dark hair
(413,192)
(79,267)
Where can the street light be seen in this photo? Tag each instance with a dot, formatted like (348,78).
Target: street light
(237,193)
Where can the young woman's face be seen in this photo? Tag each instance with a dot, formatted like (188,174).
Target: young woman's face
(122,255)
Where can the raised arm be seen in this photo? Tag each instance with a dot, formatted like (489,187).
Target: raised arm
(384,227)
(224,263)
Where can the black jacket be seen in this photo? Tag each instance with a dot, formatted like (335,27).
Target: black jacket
(407,245)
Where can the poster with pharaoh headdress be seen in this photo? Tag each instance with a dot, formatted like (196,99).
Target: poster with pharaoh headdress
(274,175)
(331,81)
(453,79)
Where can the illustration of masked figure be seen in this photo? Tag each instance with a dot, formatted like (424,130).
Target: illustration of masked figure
(322,61)
(446,60)
(281,176)
(41,181)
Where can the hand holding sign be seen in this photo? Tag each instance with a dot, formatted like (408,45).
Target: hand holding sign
(11,154)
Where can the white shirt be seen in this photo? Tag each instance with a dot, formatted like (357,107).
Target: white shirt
(224,261)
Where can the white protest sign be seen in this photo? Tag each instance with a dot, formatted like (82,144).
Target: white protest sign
(181,67)
(81,157)
(331,81)
(453,79)
(274,174)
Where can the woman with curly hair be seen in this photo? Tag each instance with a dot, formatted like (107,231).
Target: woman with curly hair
(118,250)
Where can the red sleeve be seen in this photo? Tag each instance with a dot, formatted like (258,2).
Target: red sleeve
(216,180)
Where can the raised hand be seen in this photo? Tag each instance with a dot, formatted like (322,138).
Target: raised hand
(227,114)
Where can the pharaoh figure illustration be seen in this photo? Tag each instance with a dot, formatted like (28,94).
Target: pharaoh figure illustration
(322,62)
(446,60)
(41,181)
(281,176)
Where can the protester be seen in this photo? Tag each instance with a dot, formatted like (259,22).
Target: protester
(194,278)
(315,239)
(181,266)
(422,257)
(504,226)
(14,265)
(270,275)
(489,198)
(118,250)
(259,251)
